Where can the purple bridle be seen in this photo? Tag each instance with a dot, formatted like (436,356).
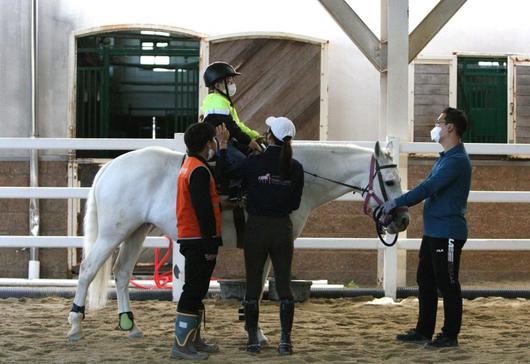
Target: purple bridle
(368,192)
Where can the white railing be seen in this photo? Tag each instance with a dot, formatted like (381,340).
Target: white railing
(82,192)
(302,243)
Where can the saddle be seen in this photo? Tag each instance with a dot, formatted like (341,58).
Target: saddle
(238,213)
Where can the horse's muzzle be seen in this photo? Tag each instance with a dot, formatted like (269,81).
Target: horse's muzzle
(400,220)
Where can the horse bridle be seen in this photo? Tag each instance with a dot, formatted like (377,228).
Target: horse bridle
(368,194)
(376,214)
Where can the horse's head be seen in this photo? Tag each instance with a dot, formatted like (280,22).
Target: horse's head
(387,185)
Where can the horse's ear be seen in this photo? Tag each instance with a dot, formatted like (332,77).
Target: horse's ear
(377,149)
(390,149)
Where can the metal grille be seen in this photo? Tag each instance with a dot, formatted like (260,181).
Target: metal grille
(482,93)
(186,96)
(125,80)
(89,101)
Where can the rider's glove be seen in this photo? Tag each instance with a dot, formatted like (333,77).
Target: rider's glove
(388,206)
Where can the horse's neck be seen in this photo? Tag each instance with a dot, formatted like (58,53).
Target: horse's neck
(342,163)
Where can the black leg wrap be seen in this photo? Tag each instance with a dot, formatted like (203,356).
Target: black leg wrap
(78,309)
(251,325)
(286,318)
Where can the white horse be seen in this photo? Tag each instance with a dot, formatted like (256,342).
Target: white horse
(137,191)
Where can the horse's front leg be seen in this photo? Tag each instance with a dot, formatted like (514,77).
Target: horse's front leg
(263,340)
(129,253)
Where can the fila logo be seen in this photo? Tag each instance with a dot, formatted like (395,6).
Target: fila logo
(439,250)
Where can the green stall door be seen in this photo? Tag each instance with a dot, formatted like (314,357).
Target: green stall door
(482,93)
(128,79)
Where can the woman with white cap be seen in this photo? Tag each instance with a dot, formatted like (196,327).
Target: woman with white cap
(274,183)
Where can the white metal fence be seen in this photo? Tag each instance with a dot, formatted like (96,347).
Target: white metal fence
(390,254)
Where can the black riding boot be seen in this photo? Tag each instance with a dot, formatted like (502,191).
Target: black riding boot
(286,319)
(251,325)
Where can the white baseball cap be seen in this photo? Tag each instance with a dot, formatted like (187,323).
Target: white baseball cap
(281,127)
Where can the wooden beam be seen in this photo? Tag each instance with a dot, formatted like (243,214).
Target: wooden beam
(431,25)
(357,31)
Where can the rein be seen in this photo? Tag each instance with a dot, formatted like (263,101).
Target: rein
(368,193)
(362,190)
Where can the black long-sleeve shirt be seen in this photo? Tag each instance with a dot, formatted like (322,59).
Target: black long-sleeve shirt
(267,193)
(199,185)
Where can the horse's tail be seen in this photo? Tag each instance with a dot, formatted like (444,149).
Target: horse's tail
(97,292)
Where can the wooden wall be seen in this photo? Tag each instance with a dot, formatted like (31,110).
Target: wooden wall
(522,102)
(431,96)
(279,77)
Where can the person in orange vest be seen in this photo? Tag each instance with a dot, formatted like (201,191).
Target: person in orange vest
(199,237)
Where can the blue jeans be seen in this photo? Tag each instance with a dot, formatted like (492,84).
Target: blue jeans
(234,155)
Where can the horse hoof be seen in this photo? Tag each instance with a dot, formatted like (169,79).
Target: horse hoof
(74,337)
(135,333)
(263,340)
(74,319)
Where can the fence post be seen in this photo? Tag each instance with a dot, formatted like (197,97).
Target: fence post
(179,142)
(178,272)
(395,260)
(178,259)
(390,269)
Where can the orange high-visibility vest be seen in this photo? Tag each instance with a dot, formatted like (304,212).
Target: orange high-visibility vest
(187,223)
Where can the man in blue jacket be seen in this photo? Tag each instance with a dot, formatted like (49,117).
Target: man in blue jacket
(445,192)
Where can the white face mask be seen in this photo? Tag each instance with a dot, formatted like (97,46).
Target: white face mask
(232,89)
(435,134)
(211,154)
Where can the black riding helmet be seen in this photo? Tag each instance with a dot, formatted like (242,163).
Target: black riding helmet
(217,71)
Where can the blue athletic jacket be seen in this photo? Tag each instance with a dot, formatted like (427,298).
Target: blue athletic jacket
(445,192)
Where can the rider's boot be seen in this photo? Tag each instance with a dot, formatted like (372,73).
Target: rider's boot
(235,191)
(286,318)
(251,325)
(198,341)
(185,326)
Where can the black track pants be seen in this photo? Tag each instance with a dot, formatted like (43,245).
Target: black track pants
(268,236)
(197,279)
(438,270)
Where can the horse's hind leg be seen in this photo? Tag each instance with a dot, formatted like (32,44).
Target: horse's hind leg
(88,269)
(129,253)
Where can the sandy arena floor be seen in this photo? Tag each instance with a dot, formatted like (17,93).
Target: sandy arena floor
(495,330)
